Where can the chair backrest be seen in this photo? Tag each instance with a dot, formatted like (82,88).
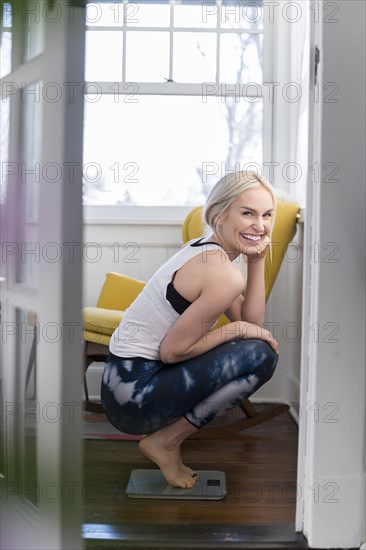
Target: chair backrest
(119,291)
(283,231)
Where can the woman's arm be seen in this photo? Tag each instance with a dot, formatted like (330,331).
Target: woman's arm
(251,308)
(192,333)
(254,303)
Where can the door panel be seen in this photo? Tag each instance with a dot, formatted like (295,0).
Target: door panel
(41,215)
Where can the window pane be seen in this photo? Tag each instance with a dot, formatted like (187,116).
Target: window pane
(196,14)
(7,20)
(167,150)
(34,14)
(241,58)
(147,56)
(242,15)
(103,56)
(108,15)
(4,147)
(134,13)
(5,57)
(25,428)
(194,57)
(27,190)
(142,14)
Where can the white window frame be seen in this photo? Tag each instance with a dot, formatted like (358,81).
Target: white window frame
(175,215)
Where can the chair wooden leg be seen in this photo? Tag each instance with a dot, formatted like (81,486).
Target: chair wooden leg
(87,362)
(85,384)
(93,407)
(248,409)
(253,418)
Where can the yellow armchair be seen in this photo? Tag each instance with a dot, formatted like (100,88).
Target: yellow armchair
(118,292)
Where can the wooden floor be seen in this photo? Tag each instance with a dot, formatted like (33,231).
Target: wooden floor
(260,466)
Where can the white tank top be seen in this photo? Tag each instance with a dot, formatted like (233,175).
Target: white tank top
(149,318)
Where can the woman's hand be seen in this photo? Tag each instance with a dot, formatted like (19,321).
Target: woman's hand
(249,330)
(258,251)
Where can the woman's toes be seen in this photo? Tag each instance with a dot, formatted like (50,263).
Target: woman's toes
(188,470)
(184,483)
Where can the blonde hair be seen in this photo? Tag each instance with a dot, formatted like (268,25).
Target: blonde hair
(224,193)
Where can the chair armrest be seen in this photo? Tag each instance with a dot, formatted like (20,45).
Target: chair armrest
(101,320)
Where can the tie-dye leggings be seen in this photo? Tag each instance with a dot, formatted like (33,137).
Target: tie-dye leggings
(140,395)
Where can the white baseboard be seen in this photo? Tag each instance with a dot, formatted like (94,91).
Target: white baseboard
(94,380)
(293,396)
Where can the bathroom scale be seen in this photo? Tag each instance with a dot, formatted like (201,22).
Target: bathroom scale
(210,485)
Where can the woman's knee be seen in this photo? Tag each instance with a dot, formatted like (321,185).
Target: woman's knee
(267,359)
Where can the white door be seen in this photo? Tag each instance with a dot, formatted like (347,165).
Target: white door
(41,223)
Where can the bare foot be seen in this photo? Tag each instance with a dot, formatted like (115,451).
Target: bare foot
(169,461)
(187,468)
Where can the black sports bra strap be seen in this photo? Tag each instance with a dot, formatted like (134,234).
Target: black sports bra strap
(199,243)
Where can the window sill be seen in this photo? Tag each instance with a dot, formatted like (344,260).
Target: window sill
(135,215)
(143,215)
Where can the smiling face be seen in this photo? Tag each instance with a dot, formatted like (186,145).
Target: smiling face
(247,223)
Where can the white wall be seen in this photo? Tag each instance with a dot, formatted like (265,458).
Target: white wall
(135,249)
(283,315)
